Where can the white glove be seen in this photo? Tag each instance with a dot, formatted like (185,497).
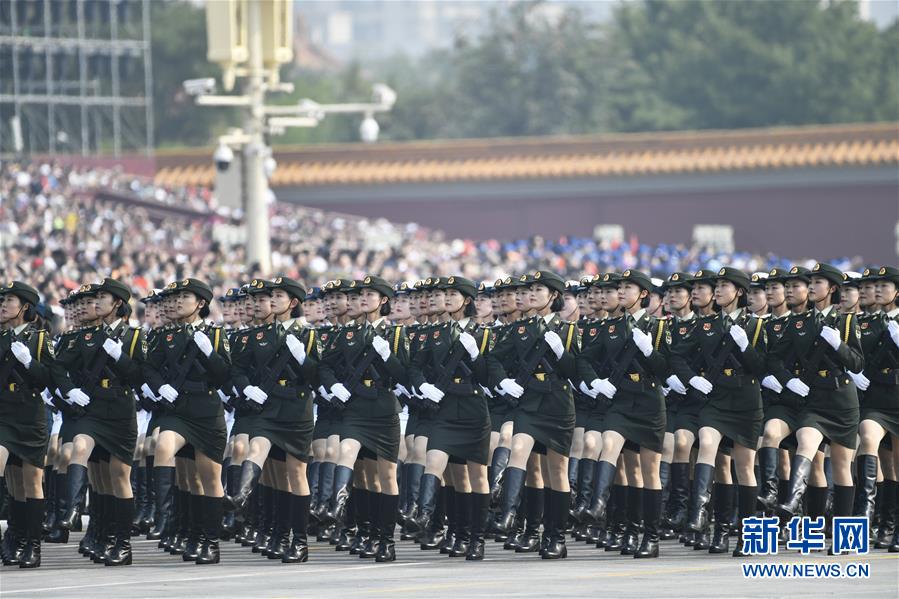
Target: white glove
(701,384)
(798,387)
(643,341)
(381,346)
(832,336)
(893,328)
(47,397)
(431,392)
(605,387)
(222,396)
(113,348)
(470,345)
(554,342)
(861,381)
(665,391)
(254,393)
(148,393)
(400,390)
(21,352)
(486,391)
(511,388)
(168,393)
(297,349)
(499,390)
(324,392)
(203,343)
(587,390)
(676,385)
(79,397)
(771,382)
(340,392)
(739,336)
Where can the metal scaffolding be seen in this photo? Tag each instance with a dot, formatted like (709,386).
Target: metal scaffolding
(76,77)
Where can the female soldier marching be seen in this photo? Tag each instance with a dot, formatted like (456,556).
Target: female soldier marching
(276,370)
(360,369)
(99,374)
(543,349)
(448,370)
(812,361)
(723,360)
(26,362)
(632,358)
(186,367)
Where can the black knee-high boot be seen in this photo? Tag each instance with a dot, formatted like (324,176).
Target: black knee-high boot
(724,506)
(325,491)
(446,544)
(463,525)
(212,524)
(768,488)
(535,513)
(413,475)
(232,488)
(58,535)
(194,535)
(747,499)
(281,530)
(634,520)
(124,510)
(428,497)
(16,538)
(50,497)
(697,515)
(77,487)
(148,514)
(34,509)
(865,485)
(386,518)
(312,476)
(164,477)
(299,515)
(250,473)
(586,473)
(368,526)
(557,506)
(480,504)
(652,510)
(887,514)
(617,523)
(800,468)
(343,480)
(602,485)
(676,507)
(498,466)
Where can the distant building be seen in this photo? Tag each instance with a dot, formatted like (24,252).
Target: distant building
(375,29)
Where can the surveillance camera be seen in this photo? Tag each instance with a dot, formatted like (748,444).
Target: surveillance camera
(369,129)
(382,94)
(269,164)
(199,87)
(222,157)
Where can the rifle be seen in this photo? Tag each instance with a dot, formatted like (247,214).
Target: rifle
(354,379)
(454,360)
(715,365)
(537,356)
(271,375)
(186,362)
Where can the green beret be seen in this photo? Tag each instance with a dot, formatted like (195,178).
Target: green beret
(116,288)
(831,273)
(23,291)
(378,284)
(466,287)
(292,287)
(638,278)
(735,276)
(678,279)
(888,273)
(550,279)
(195,286)
(799,272)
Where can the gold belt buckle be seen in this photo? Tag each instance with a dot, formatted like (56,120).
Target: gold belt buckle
(367,382)
(104,383)
(728,372)
(457,380)
(822,373)
(635,376)
(12,387)
(282,382)
(540,376)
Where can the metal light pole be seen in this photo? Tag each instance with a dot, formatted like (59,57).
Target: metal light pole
(250,39)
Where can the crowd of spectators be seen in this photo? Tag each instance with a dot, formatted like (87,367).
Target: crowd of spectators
(63,226)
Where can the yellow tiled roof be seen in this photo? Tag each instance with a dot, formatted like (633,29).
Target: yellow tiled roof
(563,157)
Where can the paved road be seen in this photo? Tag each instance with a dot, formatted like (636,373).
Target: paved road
(588,572)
